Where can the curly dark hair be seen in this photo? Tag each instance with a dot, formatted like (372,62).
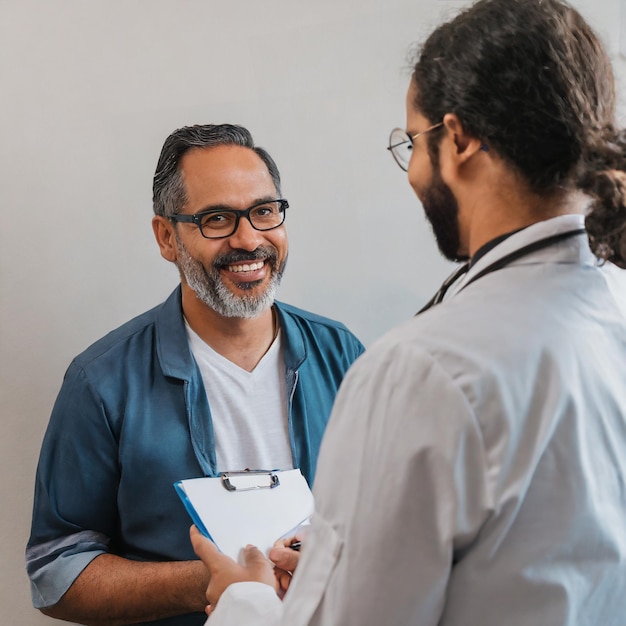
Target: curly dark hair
(531,79)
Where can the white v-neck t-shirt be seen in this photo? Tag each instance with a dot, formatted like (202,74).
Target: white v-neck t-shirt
(249,409)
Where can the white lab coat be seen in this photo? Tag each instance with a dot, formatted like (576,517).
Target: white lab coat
(474,469)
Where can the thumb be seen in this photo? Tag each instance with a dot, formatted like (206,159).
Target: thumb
(259,567)
(284,558)
(253,557)
(203,547)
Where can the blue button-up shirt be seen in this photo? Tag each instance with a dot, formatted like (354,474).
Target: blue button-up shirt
(132,417)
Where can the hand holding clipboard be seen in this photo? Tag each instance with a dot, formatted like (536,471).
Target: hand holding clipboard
(250,507)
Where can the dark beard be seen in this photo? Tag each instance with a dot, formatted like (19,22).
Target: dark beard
(442,211)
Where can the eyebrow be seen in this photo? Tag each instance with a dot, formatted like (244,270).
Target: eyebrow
(226,207)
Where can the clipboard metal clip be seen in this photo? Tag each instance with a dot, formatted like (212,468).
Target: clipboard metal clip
(249,480)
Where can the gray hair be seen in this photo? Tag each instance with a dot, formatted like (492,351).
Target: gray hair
(168,188)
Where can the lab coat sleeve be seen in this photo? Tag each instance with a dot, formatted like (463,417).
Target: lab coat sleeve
(402,488)
(247,603)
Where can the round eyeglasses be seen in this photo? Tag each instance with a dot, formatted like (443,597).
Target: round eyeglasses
(401,144)
(220,223)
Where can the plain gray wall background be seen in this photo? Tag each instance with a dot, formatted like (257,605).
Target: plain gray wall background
(90,89)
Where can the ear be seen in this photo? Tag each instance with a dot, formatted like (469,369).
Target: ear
(457,148)
(166,237)
(466,146)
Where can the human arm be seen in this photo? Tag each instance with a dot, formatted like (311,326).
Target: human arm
(112,591)
(401,485)
(97,498)
(402,488)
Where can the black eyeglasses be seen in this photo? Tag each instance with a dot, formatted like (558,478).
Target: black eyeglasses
(220,223)
(401,144)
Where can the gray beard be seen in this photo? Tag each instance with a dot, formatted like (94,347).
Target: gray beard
(210,289)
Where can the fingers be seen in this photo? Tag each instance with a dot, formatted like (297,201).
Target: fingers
(284,580)
(224,571)
(284,558)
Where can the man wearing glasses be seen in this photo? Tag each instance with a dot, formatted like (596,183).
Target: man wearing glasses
(219,377)
(473,472)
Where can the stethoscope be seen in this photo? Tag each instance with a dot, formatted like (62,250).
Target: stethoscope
(540,244)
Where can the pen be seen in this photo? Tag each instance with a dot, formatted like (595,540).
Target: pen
(295,545)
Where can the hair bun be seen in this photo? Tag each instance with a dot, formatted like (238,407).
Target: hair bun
(606,221)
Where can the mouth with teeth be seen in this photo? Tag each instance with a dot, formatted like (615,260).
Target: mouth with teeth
(246,267)
(247,274)
(247,270)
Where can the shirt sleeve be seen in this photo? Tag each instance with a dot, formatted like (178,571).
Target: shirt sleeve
(402,488)
(74,512)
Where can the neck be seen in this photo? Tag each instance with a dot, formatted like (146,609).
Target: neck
(502,205)
(244,341)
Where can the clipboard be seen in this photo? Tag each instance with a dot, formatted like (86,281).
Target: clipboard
(249,507)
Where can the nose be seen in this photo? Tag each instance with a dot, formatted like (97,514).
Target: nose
(245,237)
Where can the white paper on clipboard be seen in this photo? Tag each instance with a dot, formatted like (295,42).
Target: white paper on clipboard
(240,508)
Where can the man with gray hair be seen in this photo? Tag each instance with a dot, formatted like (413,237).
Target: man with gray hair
(219,377)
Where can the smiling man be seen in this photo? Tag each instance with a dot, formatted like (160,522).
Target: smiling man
(219,377)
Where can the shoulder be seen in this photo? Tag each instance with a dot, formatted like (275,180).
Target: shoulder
(451,348)
(314,322)
(308,317)
(407,348)
(132,334)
